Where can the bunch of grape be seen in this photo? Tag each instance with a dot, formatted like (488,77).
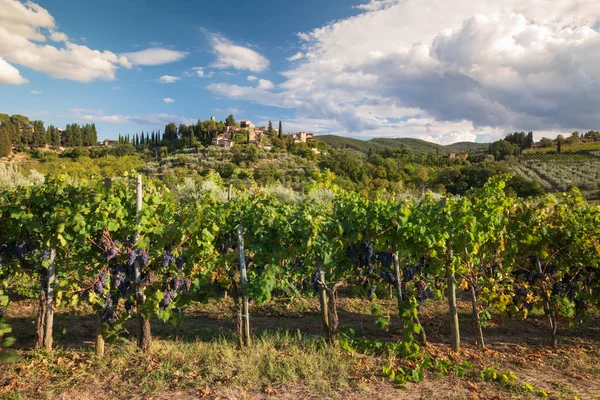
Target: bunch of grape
(167,258)
(100,283)
(384,258)
(108,313)
(423,293)
(366,254)
(371,293)
(409,272)
(388,276)
(351,254)
(179,262)
(521,294)
(111,250)
(315,281)
(180,285)
(21,250)
(168,298)
(45,255)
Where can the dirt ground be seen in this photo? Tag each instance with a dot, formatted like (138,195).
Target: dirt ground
(570,372)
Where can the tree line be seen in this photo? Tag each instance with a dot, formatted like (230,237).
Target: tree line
(19,131)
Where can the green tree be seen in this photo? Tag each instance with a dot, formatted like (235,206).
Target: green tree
(270,129)
(38,138)
(5,143)
(280,130)
(230,121)
(170,132)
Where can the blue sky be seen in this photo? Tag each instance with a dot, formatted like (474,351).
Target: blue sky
(430,69)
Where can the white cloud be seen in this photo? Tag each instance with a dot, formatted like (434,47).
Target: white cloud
(99,116)
(168,79)
(230,55)
(155,56)
(201,72)
(24,25)
(10,75)
(168,100)
(36,92)
(265,84)
(59,37)
(447,70)
(252,78)
(226,111)
(296,57)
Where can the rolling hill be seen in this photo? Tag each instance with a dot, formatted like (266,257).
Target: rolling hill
(416,145)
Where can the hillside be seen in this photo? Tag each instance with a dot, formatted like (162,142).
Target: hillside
(416,145)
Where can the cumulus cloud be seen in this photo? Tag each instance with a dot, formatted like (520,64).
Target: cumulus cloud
(252,78)
(168,100)
(296,57)
(23,26)
(169,79)
(10,75)
(265,84)
(447,70)
(201,72)
(155,56)
(99,116)
(230,55)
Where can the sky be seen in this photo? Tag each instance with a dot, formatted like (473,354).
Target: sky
(438,70)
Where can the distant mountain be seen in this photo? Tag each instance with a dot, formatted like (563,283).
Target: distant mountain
(416,145)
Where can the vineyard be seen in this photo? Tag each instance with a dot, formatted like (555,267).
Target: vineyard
(561,172)
(126,252)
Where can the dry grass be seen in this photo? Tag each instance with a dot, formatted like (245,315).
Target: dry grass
(288,360)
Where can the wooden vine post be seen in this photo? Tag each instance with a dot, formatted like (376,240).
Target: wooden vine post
(243,281)
(40,334)
(99,343)
(397,276)
(323,300)
(548,307)
(454,327)
(144,333)
(49,323)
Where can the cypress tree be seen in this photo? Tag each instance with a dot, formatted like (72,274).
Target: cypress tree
(270,129)
(280,130)
(5,143)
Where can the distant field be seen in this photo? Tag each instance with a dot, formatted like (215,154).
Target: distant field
(560,172)
(567,148)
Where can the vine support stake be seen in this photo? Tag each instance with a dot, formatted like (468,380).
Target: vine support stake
(49,325)
(243,282)
(397,276)
(454,325)
(323,299)
(144,333)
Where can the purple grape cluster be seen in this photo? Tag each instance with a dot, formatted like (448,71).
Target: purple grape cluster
(21,249)
(45,255)
(168,298)
(314,280)
(371,293)
(388,276)
(179,262)
(108,314)
(100,283)
(167,258)
(384,258)
(423,293)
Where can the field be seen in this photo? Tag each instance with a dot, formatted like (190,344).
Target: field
(222,293)
(200,359)
(560,172)
(589,146)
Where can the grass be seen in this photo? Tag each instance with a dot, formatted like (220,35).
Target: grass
(288,359)
(589,146)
